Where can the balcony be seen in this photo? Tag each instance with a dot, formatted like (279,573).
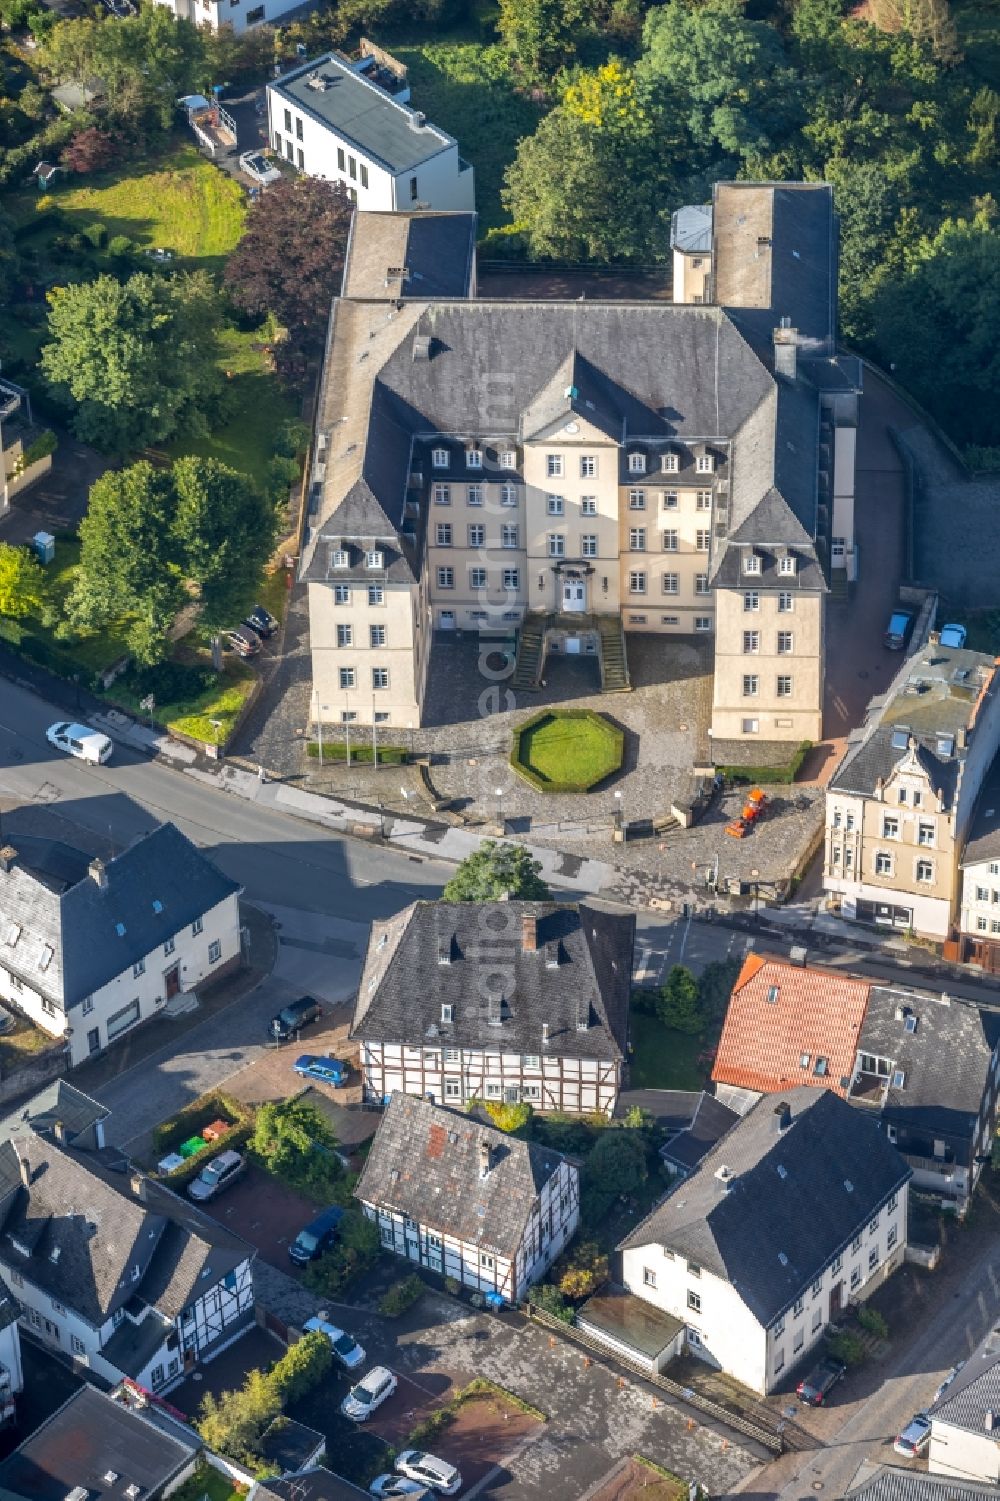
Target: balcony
(869,1089)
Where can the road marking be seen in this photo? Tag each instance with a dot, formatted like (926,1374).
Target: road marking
(684,937)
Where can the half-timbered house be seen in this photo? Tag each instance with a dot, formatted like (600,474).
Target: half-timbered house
(113,1270)
(452,1194)
(499,1001)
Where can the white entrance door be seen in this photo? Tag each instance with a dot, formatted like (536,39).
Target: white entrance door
(446,620)
(573,646)
(574,594)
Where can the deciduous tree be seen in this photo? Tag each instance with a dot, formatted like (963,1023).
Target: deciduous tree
(90,150)
(494,871)
(540,36)
(224,531)
(678,1006)
(22,582)
(290,258)
(145,61)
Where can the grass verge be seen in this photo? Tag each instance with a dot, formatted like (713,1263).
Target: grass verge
(19,1046)
(207,715)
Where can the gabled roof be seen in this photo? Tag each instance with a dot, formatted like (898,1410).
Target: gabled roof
(426,1163)
(975,1391)
(69,942)
(984,836)
(711,1120)
(691,229)
(575,388)
(436,249)
(471,956)
(890,1484)
(781,1013)
(789,1200)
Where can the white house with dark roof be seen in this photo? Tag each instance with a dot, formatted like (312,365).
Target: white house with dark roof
(90,948)
(111,1269)
(466,1200)
(896,1483)
(498,1001)
(799,1210)
(977,940)
(350,122)
(965,1420)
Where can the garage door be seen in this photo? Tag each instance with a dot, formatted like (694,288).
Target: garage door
(122,1020)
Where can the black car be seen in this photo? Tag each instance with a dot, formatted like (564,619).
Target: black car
(291,1018)
(317,1238)
(262,621)
(820,1382)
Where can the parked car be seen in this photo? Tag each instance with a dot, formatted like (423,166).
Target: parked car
(897,632)
(221,1173)
(953,635)
(346,1349)
(947,1382)
(326,1070)
(262,621)
(242,641)
(370,1392)
(80,741)
(317,1237)
(429,1470)
(395,1485)
(293,1017)
(257,166)
(820,1382)
(915,1436)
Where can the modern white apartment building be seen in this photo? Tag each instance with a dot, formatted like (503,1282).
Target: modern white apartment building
(350,122)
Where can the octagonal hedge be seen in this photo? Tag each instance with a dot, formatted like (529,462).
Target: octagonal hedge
(566,750)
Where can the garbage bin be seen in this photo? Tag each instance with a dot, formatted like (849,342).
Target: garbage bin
(44,545)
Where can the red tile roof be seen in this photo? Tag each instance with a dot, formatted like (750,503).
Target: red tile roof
(813,1013)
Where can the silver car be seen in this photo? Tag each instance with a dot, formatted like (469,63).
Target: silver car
(370,1392)
(217,1176)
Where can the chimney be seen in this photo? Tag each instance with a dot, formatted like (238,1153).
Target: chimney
(901,1013)
(484,1159)
(25,1167)
(8,855)
(786,352)
(783,1115)
(59,1132)
(529,934)
(98,874)
(934,638)
(137,1183)
(545,1034)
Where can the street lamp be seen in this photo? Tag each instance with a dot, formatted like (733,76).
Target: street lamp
(216,726)
(500,821)
(618,811)
(754,874)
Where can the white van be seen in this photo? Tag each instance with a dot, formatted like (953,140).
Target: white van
(79,741)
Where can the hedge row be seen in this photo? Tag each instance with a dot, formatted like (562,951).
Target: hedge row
(773,775)
(608,731)
(191,1121)
(361,755)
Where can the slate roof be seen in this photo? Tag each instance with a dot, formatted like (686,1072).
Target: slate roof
(671,1109)
(82,1233)
(691,229)
(626,1317)
(975,1391)
(358,110)
(937,693)
(438,250)
(780,1013)
(317,1484)
(577,980)
(890,1484)
(945,1062)
(712,1119)
(984,835)
(425,1163)
(88,1439)
(770,1232)
(69,943)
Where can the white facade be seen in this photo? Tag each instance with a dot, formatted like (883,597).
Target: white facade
(455,1076)
(241,15)
(181,963)
(508,1270)
(300,131)
(722,1329)
(185,1340)
(979,914)
(963,1454)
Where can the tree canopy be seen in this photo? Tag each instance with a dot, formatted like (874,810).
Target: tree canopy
(22,582)
(291,256)
(135,359)
(494,871)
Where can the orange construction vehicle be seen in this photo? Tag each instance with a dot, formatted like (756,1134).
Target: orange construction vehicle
(752,811)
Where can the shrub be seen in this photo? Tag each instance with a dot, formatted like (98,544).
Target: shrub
(302,1368)
(293,1140)
(453,1286)
(846,1347)
(43,445)
(356,1250)
(775,775)
(291,439)
(401,1296)
(512,1119)
(169,682)
(120,245)
(550,1300)
(234,1422)
(581,1271)
(96,235)
(605,741)
(678,1004)
(361,755)
(872,1321)
(191,1121)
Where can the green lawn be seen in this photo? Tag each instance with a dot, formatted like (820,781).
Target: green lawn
(569,749)
(208,1482)
(193,716)
(662,1058)
(85,654)
(259,407)
(177,201)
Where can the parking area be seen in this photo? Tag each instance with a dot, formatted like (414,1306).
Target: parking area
(272,1076)
(266,1213)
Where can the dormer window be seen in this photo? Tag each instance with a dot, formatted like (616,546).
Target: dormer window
(637,463)
(439,458)
(473,458)
(444,954)
(447,1013)
(341,558)
(705,463)
(375,558)
(786,565)
(669,463)
(751,563)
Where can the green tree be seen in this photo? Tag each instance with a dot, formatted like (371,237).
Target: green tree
(549,1299)
(145,62)
(356,1250)
(494,871)
(540,36)
(678,1006)
(295,1143)
(617,1164)
(224,530)
(581,1271)
(137,359)
(22,583)
(301,1368)
(126,570)
(715,986)
(233,1422)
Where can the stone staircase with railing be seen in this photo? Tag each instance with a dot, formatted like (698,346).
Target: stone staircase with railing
(530,654)
(614,661)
